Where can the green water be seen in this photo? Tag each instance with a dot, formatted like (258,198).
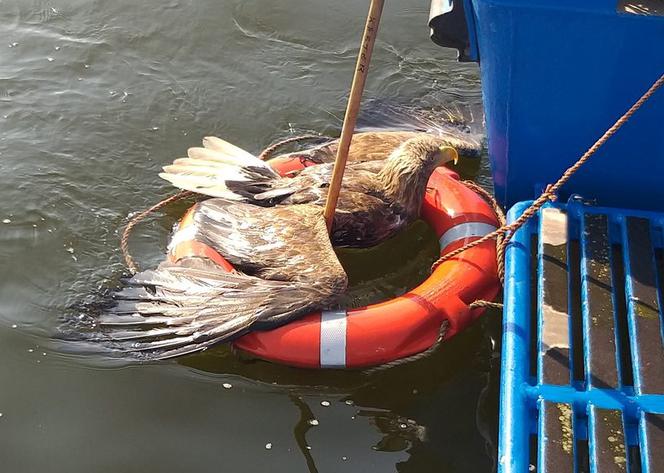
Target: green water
(95,96)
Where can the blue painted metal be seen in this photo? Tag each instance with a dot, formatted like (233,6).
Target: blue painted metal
(515,421)
(555,75)
(522,391)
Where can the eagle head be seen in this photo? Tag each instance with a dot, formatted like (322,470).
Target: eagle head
(407,170)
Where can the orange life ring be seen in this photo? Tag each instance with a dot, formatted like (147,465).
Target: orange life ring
(399,327)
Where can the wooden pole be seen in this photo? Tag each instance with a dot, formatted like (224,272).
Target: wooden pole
(353,108)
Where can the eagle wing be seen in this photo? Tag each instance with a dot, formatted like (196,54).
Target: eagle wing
(288,243)
(184,307)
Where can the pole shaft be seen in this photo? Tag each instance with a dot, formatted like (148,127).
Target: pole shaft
(353,108)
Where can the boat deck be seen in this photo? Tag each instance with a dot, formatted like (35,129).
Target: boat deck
(583,342)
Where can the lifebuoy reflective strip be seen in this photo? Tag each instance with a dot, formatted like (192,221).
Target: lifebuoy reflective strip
(464,231)
(333,331)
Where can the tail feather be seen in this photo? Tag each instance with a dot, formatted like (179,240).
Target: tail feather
(204,154)
(208,186)
(220,169)
(209,173)
(223,146)
(216,149)
(195,170)
(196,162)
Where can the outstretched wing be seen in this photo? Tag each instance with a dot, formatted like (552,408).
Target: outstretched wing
(181,308)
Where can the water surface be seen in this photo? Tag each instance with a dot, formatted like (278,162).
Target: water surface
(95,96)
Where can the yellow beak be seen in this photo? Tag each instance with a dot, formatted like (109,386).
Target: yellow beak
(449,154)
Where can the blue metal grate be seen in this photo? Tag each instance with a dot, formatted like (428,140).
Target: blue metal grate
(583,342)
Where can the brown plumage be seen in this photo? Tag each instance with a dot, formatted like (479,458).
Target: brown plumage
(377,199)
(275,237)
(288,269)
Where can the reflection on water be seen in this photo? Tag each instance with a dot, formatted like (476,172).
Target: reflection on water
(95,97)
(422,409)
